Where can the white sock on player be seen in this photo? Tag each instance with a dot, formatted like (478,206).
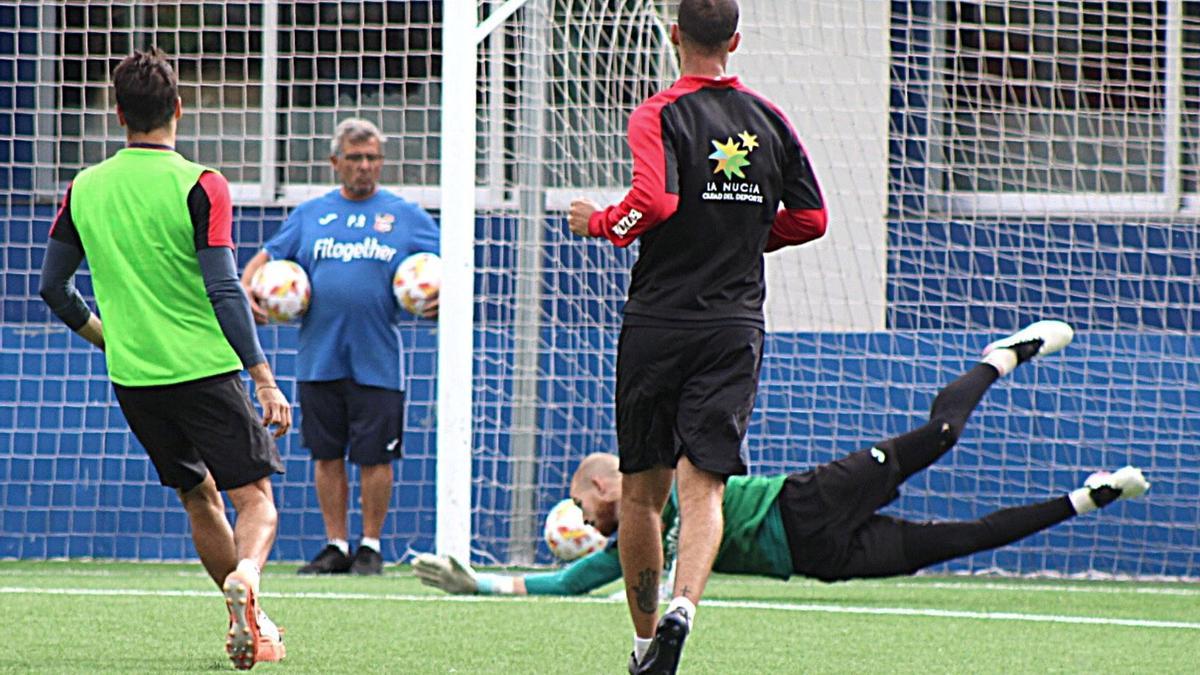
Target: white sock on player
(640,645)
(1003,360)
(689,609)
(250,569)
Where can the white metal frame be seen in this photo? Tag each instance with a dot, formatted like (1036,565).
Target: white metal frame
(1171,201)
(460,45)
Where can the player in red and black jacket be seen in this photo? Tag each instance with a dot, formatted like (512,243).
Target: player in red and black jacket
(713,162)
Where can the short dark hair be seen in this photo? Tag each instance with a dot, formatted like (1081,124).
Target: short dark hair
(146,90)
(708,23)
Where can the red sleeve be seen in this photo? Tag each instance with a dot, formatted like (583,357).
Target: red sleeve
(63,228)
(796,226)
(804,216)
(218,229)
(654,196)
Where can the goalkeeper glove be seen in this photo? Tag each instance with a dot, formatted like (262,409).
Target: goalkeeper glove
(453,576)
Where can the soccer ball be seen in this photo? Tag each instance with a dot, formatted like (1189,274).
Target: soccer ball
(567,535)
(417,281)
(281,288)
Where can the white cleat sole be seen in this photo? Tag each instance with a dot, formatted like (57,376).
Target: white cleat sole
(242,639)
(1054,336)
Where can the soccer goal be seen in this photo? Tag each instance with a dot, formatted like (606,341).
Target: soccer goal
(555,82)
(987,163)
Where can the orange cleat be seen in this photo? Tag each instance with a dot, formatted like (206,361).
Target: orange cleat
(269,647)
(252,636)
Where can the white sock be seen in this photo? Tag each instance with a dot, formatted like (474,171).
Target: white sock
(250,568)
(1081,499)
(688,607)
(342,544)
(640,645)
(370,543)
(1003,360)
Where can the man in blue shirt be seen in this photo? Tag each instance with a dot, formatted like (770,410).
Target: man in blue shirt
(350,366)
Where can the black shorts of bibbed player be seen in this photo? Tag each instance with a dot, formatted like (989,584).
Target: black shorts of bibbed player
(686,392)
(341,418)
(199,427)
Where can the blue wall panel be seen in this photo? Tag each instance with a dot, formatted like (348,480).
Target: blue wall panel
(73,482)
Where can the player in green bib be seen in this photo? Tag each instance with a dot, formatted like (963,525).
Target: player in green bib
(823,523)
(156,230)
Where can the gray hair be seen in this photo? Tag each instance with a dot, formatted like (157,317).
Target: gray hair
(355,130)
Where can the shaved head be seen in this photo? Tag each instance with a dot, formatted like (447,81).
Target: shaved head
(708,24)
(596,489)
(595,465)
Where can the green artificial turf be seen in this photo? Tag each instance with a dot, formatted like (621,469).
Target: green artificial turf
(82,617)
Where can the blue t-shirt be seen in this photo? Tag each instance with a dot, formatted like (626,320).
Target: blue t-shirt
(350,250)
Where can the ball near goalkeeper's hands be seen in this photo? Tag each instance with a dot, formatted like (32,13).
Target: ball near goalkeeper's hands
(446,573)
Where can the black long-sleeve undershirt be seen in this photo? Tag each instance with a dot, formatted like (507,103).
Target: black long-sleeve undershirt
(57,287)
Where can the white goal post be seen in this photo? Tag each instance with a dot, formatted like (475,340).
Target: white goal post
(547,57)
(455,321)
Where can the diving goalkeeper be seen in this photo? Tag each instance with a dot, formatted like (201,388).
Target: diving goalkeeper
(822,523)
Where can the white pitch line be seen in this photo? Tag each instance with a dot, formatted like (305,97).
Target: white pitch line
(736,604)
(1037,588)
(1088,586)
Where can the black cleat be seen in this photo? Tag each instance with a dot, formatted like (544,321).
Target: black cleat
(663,656)
(330,560)
(367,561)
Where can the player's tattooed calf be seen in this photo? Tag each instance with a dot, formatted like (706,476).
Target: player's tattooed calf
(646,591)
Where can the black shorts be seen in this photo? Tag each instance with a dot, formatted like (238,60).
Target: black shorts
(686,392)
(199,427)
(342,414)
(829,515)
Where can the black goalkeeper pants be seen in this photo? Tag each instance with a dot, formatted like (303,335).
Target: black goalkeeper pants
(829,513)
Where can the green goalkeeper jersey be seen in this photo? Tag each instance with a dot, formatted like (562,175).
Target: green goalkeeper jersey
(753,541)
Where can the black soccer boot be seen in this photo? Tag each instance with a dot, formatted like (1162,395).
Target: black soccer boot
(663,656)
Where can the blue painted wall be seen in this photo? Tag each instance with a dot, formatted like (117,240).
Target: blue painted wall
(73,481)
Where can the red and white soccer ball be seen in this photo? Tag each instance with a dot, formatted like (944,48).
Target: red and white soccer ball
(417,281)
(281,288)
(568,537)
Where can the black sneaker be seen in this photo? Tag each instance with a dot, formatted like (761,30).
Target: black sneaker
(330,560)
(663,655)
(367,561)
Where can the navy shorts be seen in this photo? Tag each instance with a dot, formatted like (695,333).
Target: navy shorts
(199,427)
(343,416)
(686,392)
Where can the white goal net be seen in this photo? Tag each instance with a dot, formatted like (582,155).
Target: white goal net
(987,163)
